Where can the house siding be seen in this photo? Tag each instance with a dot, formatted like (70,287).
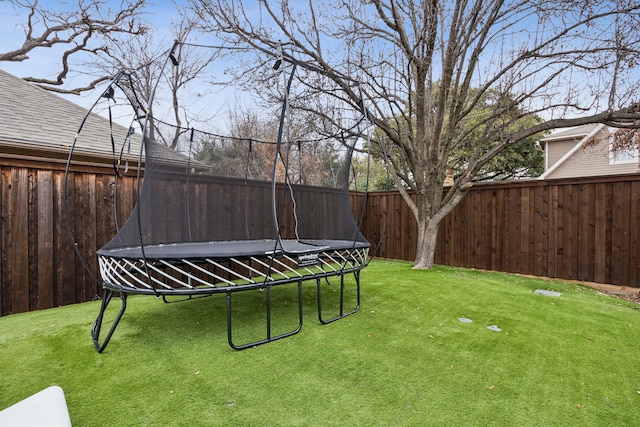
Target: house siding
(591,161)
(588,160)
(555,150)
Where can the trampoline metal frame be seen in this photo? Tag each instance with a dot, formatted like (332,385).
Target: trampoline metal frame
(173,278)
(191,270)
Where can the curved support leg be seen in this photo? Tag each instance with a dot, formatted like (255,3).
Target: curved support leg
(269,337)
(356,275)
(97,325)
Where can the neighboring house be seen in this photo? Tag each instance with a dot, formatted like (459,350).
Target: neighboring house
(585,151)
(39,125)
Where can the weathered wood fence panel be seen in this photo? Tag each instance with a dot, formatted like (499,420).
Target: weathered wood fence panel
(38,265)
(587,229)
(581,229)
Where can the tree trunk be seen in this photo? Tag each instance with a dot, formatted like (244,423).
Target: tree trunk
(426,245)
(429,211)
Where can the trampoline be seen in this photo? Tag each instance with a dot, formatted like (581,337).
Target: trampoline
(224,212)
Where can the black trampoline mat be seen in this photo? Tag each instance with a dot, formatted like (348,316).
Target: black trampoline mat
(230,249)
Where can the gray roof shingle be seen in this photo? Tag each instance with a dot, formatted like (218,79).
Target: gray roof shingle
(32,118)
(40,119)
(571,133)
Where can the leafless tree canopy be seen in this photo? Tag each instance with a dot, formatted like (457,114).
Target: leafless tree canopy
(443,75)
(143,57)
(89,27)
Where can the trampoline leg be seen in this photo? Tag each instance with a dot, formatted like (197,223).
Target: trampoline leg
(97,325)
(356,275)
(269,337)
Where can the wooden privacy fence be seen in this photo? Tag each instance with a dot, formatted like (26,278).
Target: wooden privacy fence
(38,265)
(584,229)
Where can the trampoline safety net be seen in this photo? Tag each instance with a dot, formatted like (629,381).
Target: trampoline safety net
(243,178)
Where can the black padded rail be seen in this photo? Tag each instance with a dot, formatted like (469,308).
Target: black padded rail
(230,249)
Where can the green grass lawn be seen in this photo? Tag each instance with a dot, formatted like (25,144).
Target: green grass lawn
(404,359)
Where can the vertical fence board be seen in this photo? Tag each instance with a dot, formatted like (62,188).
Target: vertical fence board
(80,200)
(3,292)
(620,236)
(525,218)
(45,239)
(512,236)
(125,190)
(19,249)
(5,241)
(601,213)
(554,252)
(461,241)
(471,213)
(540,231)
(483,244)
(32,238)
(634,227)
(561,224)
(105,225)
(586,234)
(454,238)
(398,235)
(570,231)
(380,224)
(65,257)
(497,235)
(85,290)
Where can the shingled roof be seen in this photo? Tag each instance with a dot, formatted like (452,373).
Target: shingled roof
(577,133)
(38,123)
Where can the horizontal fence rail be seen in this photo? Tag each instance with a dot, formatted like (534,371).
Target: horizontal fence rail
(581,229)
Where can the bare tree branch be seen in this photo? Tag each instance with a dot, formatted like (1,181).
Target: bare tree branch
(91,27)
(444,76)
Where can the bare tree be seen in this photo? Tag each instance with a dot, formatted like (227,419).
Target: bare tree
(91,27)
(426,65)
(144,57)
